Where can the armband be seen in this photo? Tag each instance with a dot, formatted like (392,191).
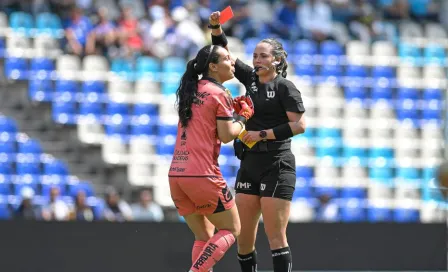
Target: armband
(241,119)
(282,132)
(220,40)
(214,26)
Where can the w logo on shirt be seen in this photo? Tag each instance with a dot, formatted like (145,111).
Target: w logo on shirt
(270,94)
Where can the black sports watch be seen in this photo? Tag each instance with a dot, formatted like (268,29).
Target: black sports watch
(263,134)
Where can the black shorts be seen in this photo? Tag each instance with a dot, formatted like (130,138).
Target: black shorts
(267,174)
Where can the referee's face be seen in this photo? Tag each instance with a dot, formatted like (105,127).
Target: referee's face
(262,58)
(225,68)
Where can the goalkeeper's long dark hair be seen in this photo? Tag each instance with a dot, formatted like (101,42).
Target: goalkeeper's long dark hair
(188,88)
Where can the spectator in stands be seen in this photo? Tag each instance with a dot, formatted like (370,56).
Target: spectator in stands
(77,32)
(284,25)
(81,211)
(129,36)
(187,37)
(56,209)
(26,209)
(63,8)
(341,10)
(315,20)
(103,36)
(116,210)
(424,10)
(394,9)
(147,209)
(365,25)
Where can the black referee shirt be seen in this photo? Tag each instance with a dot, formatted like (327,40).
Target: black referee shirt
(271,100)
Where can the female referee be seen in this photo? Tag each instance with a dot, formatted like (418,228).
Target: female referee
(206,118)
(266,179)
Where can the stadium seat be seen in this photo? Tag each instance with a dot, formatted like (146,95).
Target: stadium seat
(304,172)
(66,88)
(409,53)
(379,214)
(16,68)
(408,173)
(122,68)
(432,94)
(406,215)
(41,68)
(352,210)
(355,93)
(93,110)
(356,71)
(40,90)
(7,125)
(383,71)
(331,48)
(56,167)
(21,23)
(147,67)
(407,93)
(5,213)
(303,69)
(381,173)
(353,192)
(29,146)
(117,110)
(64,112)
(93,87)
(165,145)
(305,48)
(434,54)
(49,24)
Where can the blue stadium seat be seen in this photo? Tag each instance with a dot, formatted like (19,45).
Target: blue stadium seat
(169,88)
(227,171)
(285,43)
(7,125)
(165,145)
(93,87)
(356,71)
(328,132)
(74,188)
(383,71)
(334,70)
(234,88)
(303,191)
(355,92)
(306,47)
(352,210)
(409,52)
(383,152)
(304,172)
(120,129)
(331,48)
(165,130)
(49,24)
(354,152)
(91,110)
(63,85)
(250,45)
(40,90)
(7,147)
(353,192)
(5,185)
(28,168)
(407,110)
(41,68)
(434,54)
(408,93)
(381,93)
(21,23)
(303,69)
(30,146)
(432,111)
(16,68)
(403,215)
(114,108)
(227,150)
(408,173)
(143,128)
(56,167)
(64,112)
(148,109)
(331,192)
(432,94)
(381,173)
(2,48)
(122,68)
(5,213)
(147,67)
(5,167)
(376,214)
(330,150)
(428,173)
(174,65)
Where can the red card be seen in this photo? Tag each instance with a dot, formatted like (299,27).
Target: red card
(226,14)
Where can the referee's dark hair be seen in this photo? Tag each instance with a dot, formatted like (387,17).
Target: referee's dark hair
(278,52)
(188,88)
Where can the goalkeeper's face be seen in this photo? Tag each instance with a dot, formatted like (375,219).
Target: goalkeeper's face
(225,68)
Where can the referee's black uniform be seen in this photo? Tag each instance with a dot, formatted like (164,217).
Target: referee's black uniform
(268,168)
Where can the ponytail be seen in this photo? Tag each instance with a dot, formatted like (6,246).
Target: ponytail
(188,88)
(186,93)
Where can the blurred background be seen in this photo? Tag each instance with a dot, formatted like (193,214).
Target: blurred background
(88,122)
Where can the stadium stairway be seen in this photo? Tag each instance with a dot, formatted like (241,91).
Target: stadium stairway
(61,141)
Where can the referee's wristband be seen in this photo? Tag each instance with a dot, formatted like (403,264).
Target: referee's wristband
(214,26)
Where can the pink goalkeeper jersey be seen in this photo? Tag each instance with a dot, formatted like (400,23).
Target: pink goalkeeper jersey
(197,146)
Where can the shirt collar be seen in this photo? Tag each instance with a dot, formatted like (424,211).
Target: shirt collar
(215,82)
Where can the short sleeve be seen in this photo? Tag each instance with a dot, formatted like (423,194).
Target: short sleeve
(224,109)
(291,98)
(243,72)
